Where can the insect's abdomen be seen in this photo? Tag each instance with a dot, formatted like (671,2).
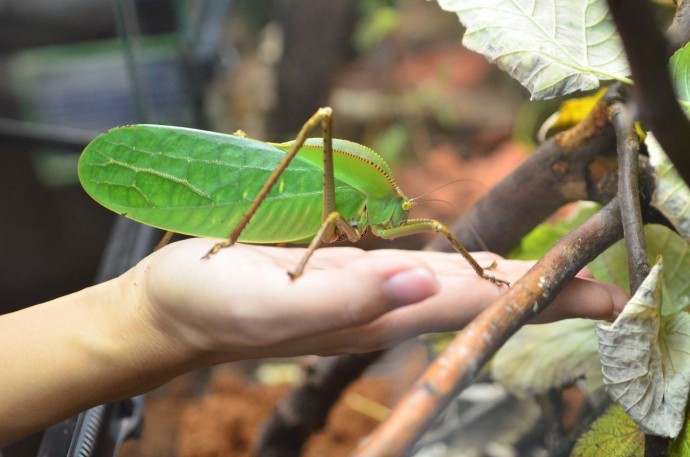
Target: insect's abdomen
(201,183)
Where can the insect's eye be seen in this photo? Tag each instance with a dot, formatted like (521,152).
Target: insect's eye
(407,205)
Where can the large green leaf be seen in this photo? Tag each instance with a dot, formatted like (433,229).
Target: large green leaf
(646,360)
(680,74)
(552,47)
(614,434)
(541,357)
(611,266)
(547,356)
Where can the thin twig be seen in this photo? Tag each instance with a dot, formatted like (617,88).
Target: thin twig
(629,194)
(458,365)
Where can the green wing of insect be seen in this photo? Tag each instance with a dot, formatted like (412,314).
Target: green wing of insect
(201,183)
(365,170)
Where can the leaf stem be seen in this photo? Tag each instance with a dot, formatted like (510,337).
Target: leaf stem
(619,78)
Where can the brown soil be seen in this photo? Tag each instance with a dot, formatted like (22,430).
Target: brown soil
(226,420)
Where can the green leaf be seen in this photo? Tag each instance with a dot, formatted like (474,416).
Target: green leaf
(614,434)
(552,47)
(680,447)
(541,357)
(536,243)
(378,22)
(680,74)
(646,360)
(671,195)
(611,266)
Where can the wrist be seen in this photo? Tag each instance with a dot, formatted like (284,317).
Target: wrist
(176,312)
(150,346)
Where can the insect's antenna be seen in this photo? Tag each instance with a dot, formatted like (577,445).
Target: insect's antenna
(430,200)
(415,200)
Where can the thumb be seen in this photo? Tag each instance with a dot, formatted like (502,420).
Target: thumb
(363,290)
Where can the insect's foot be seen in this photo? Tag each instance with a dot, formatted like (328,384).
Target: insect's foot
(495,280)
(294,275)
(217,247)
(493,266)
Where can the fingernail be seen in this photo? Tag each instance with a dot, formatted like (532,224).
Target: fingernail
(410,286)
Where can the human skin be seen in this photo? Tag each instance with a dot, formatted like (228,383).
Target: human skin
(175,312)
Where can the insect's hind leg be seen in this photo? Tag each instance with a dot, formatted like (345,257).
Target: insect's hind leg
(332,223)
(323,117)
(413,226)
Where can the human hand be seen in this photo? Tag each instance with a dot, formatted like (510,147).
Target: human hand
(240,303)
(175,312)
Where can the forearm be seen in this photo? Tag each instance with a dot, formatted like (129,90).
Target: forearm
(87,348)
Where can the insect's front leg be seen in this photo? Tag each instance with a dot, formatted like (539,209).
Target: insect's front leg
(413,226)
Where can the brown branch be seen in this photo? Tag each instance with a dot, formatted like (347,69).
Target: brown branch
(304,409)
(647,52)
(457,366)
(574,165)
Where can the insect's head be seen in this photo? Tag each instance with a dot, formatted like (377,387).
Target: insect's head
(408,203)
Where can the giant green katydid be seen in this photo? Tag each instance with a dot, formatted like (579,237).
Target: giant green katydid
(229,186)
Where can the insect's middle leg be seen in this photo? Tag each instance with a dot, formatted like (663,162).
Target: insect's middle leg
(413,226)
(332,224)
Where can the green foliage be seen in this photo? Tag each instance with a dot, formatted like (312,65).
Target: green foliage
(614,434)
(680,74)
(611,266)
(379,19)
(536,243)
(680,447)
(543,357)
